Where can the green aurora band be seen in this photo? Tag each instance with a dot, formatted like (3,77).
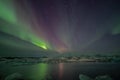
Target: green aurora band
(55,26)
(12,26)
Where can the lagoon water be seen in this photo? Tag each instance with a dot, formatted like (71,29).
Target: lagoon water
(61,71)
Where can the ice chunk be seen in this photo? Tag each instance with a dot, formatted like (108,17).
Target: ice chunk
(14,76)
(84,77)
(105,77)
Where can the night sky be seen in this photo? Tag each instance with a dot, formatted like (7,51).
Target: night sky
(59,25)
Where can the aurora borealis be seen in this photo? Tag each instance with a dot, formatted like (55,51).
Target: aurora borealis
(61,25)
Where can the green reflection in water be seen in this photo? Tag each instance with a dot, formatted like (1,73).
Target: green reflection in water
(43,70)
(40,72)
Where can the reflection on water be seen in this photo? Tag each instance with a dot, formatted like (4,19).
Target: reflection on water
(61,71)
(39,72)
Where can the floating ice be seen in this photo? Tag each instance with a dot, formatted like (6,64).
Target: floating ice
(14,76)
(104,77)
(84,77)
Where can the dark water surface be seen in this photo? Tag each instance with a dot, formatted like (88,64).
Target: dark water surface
(61,71)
